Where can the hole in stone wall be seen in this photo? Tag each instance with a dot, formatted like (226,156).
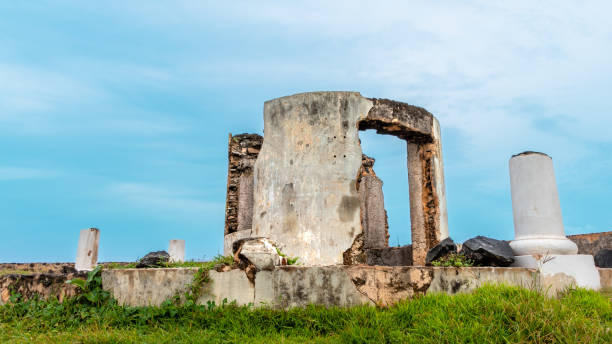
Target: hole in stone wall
(390,166)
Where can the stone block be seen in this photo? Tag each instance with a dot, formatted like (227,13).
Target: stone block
(229,239)
(261,253)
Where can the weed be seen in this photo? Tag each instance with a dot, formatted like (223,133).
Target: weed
(453,259)
(91,288)
(290,260)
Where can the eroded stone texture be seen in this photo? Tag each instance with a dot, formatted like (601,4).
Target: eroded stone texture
(242,153)
(387,285)
(42,285)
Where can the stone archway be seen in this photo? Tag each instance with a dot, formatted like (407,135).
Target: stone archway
(421,131)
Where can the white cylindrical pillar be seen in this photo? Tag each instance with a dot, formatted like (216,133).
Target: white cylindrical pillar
(176,250)
(87,251)
(538,225)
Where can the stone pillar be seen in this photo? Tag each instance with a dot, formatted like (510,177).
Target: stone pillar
(245,201)
(538,225)
(176,250)
(374,216)
(428,216)
(540,240)
(87,250)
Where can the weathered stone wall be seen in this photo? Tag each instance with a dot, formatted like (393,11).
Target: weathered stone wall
(242,153)
(44,285)
(306,197)
(592,243)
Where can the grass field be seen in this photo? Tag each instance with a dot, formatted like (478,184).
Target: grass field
(492,314)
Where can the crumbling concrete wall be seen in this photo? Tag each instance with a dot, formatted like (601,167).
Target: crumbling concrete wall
(306,176)
(242,153)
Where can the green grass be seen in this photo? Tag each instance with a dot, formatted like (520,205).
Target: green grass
(208,265)
(492,314)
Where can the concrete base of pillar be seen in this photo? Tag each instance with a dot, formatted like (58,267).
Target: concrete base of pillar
(579,266)
(553,246)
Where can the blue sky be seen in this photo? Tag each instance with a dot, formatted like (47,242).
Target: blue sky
(115,115)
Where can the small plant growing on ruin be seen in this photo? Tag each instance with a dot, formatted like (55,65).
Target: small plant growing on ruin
(200,279)
(91,288)
(454,259)
(290,260)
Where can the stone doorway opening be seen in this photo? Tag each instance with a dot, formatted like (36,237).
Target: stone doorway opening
(389,154)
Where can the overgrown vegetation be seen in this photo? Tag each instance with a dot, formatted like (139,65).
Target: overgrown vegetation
(453,259)
(492,314)
(91,291)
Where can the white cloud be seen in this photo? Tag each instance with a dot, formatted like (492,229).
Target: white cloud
(163,201)
(12,173)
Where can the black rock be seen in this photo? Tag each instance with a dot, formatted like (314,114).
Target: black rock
(485,251)
(154,260)
(603,258)
(443,248)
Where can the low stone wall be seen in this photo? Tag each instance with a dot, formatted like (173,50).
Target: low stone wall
(36,268)
(337,285)
(593,242)
(42,285)
(290,286)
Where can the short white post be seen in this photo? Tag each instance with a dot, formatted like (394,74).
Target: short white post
(176,250)
(87,251)
(539,236)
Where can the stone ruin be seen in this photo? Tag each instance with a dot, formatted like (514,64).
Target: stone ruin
(308,187)
(306,190)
